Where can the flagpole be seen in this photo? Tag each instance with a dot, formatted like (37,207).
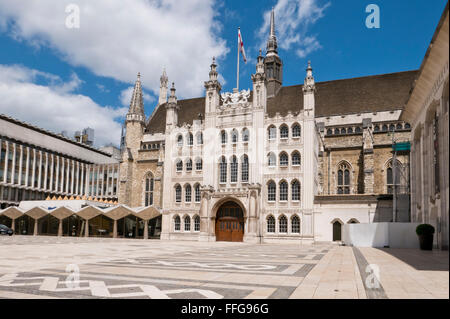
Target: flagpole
(237,81)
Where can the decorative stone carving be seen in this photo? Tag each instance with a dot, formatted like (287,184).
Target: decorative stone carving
(235,99)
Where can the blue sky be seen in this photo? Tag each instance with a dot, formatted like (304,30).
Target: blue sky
(60,78)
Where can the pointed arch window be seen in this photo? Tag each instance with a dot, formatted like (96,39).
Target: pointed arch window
(391,179)
(271,160)
(189,165)
(295,225)
(177,223)
(178,194)
(296,130)
(234,136)
(223,137)
(271,191)
(199,164)
(197,223)
(197,193)
(149,186)
(283,191)
(244,169)
(179,165)
(284,160)
(284,132)
(283,224)
(295,190)
(270,224)
(245,135)
(223,170)
(190,139)
(343,178)
(180,140)
(272,131)
(188,193)
(234,169)
(296,161)
(187,223)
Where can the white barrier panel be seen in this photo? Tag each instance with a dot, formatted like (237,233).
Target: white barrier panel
(393,235)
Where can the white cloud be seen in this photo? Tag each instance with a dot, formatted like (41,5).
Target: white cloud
(293,19)
(54,106)
(119,38)
(125,96)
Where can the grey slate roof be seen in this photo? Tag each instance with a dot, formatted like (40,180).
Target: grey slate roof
(386,92)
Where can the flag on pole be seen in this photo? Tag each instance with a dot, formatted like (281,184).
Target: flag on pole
(241,45)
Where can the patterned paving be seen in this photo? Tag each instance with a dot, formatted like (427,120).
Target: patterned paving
(37,267)
(51,267)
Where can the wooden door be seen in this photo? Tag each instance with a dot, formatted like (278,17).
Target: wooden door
(230,223)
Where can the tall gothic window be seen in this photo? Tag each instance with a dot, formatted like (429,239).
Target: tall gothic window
(149,185)
(178,194)
(188,194)
(296,159)
(392,180)
(284,160)
(197,223)
(189,165)
(187,223)
(223,170)
(198,164)
(234,169)
(343,178)
(295,190)
(295,225)
(271,191)
(296,130)
(284,131)
(244,170)
(190,139)
(283,191)
(272,130)
(180,140)
(283,224)
(177,223)
(245,135)
(270,224)
(271,160)
(197,193)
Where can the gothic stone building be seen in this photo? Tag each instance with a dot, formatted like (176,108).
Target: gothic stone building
(274,163)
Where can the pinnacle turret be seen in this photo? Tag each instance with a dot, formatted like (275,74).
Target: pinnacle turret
(136,111)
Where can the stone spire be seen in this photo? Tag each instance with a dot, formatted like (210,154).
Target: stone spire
(164,86)
(272,41)
(136,111)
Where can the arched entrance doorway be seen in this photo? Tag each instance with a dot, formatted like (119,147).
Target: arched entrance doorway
(230,222)
(337,231)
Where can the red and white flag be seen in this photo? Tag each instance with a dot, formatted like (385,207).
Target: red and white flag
(241,45)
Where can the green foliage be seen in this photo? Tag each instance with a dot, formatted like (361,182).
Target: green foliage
(425,229)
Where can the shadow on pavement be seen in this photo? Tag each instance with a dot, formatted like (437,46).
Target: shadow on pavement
(421,260)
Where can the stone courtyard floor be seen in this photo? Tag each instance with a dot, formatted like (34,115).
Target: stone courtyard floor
(46,267)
